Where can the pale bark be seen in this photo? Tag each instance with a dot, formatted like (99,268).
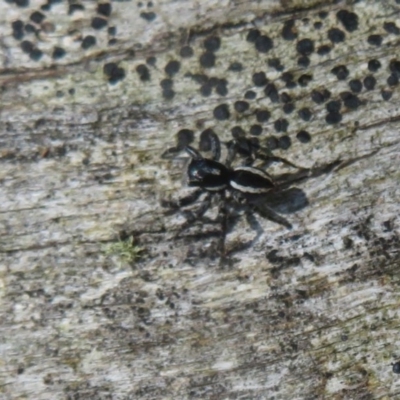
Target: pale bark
(311,312)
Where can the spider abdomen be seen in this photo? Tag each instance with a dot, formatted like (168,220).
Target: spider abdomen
(251,180)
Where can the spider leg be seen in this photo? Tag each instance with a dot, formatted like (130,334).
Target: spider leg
(268,158)
(215,146)
(193,153)
(231,154)
(176,205)
(200,211)
(192,216)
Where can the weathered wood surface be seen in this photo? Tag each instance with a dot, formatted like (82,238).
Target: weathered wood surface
(311,312)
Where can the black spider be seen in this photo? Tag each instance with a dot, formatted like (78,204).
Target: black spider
(245,184)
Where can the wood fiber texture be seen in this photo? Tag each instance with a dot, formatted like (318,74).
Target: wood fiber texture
(101,297)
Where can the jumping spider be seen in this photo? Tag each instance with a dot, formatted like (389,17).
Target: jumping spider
(246,185)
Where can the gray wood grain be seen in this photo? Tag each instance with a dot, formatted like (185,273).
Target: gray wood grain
(101,297)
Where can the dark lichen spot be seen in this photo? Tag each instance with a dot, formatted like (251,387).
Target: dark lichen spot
(253,35)
(272,143)
(235,66)
(184,137)
(324,50)
(348,19)
(98,23)
(355,85)
(281,125)
(394,66)
(205,139)
(168,94)
(317,25)
(263,44)
(289,31)
(151,61)
(284,142)
(304,114)
(186,52)
(36,54)
(237,132)
(272,92)
(241,106)
(303,61)
(113,72)
(391,27)
(21,3)
(27,46)
(262,115)
(148,16)
(75,7)
(369,82)
(221,87)
(250,95)
(207,59)
(259,79)
(58,52)
(285,97)
(201,79)
(287,77)
(303,137)
(386,94)
(304,80)
(206,90)
(143,72)
(333,118)
(212,43)
(393,79)
(341,72)
(288,108)
(172,68)
(256,130)
(29,28)
(104,9)
(37,17)
(320,97)
(88,41)
(276,64)
(396,367)
(374,65)
(166,84)
(18,29)
(350,100)
(336,35)
(221,112)
(333,106)
(305,47)
(375,40)
(213,81)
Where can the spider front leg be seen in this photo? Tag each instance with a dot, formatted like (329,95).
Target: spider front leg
(267,156)
(192,215)
(175,205)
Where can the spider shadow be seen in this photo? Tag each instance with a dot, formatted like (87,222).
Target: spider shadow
(271,207)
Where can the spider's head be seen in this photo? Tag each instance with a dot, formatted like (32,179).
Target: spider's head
(206,173)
